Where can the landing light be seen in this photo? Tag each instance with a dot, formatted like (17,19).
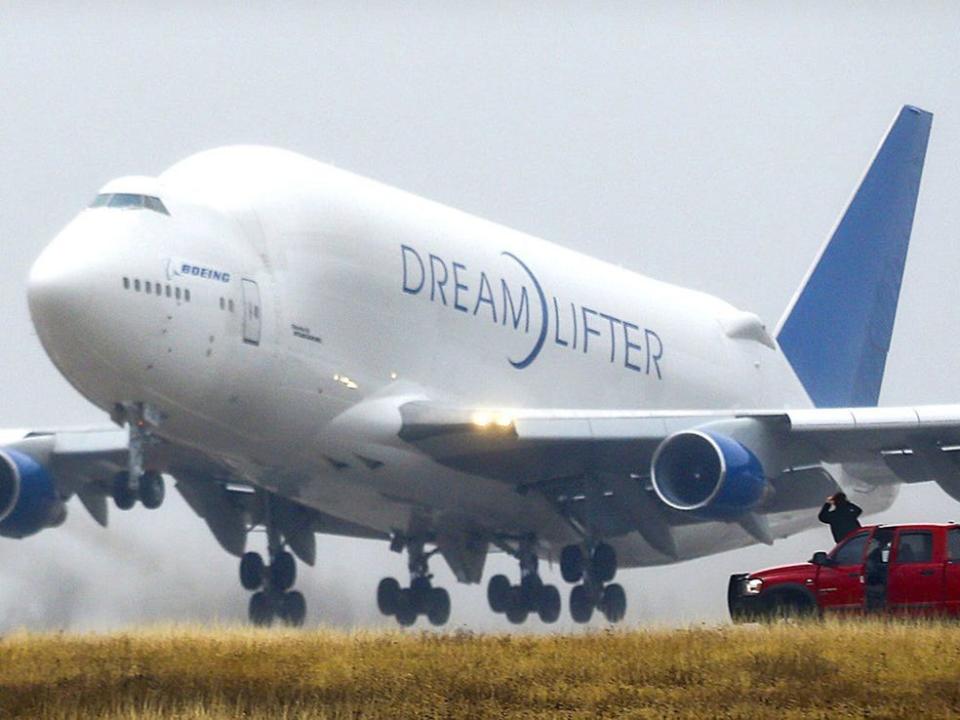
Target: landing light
(482,419)
(346,382)
(485,419)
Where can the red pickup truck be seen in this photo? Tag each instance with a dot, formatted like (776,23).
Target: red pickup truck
(898,569)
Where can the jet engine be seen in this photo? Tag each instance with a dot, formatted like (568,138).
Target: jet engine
(709,474)
(28,498)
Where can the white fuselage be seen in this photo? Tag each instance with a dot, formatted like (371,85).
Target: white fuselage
(315,294)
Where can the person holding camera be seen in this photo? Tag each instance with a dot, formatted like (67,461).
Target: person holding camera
(841,515)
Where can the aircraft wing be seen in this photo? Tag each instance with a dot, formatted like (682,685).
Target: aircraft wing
(564,452)
(84,461)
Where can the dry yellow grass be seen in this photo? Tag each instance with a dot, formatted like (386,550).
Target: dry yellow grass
(876,670)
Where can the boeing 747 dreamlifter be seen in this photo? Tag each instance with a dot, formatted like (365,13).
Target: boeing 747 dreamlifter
(308,351)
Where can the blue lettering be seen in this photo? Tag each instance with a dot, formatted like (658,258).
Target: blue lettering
(407,287)
(587,330)
(654,356)
(194,270)
(613,337)
(205,272)
(226,277)
(515,314)
(435,284)
(573,314)
(485,297)
(458,286)
(627,327)
(215,274)
(556,322)
(185,269)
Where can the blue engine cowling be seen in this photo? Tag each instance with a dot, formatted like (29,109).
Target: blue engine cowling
(709,474)
(28,497)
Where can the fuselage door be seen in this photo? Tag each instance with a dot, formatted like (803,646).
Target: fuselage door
(251,312)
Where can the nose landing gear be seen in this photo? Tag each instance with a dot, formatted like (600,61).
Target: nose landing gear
(596,568)
(148,489)
(136,483)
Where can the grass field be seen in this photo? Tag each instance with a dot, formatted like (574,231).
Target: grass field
(875,670)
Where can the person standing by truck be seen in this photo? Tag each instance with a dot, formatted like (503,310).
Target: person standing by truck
(841,515)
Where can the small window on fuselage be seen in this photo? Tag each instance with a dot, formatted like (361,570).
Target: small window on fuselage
(147,287)
(223,304)
(176,292)
(159,289)
(168,291)
(186,295)
(851,551)
(136,285)
(126,283)
(230,305)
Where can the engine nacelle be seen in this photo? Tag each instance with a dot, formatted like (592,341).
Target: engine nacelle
(709,474)
(28,497)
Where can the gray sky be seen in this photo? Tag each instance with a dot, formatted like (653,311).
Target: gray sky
(710,146)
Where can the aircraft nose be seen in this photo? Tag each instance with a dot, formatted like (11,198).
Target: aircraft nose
(59,293)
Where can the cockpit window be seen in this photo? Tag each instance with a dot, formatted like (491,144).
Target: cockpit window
(130,201)
(154,203)
(125,200)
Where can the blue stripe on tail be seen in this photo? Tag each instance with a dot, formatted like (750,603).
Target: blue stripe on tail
(837,332)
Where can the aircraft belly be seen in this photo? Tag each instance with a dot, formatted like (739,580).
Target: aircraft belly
(419,494)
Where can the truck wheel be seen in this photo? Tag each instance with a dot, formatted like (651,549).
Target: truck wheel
(790,607)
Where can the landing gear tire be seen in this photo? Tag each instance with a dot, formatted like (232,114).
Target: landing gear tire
(123,495)
(603,563)
(613,603)
(150,488)
(293,608)
(251,571)
(261,609)
(497,591)
(581,604)
(406,607)
(438,611)
(571,563)
(548,604)
(283,571)
(388,595)
(517,606)
(530,586)
(422,590)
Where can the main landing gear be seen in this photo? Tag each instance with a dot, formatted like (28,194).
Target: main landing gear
(517,602)
(273,598)
(421,598)
(596,566)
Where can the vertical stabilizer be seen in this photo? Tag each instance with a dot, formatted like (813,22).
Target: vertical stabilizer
(837,330)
